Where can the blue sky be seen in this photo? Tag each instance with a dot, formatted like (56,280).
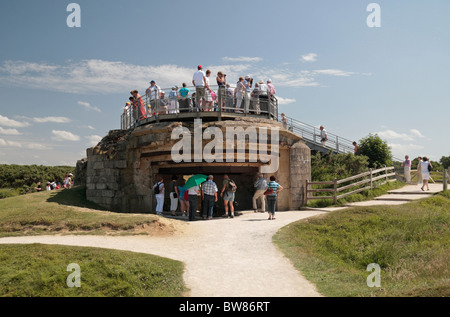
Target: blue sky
(62,89)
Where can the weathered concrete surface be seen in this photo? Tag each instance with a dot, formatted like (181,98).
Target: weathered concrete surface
(123,167)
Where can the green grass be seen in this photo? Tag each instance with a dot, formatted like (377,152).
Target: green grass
(68,211)
(41,271)
(410,242)
(362,196)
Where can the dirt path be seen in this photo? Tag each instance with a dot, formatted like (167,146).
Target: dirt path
(223,257)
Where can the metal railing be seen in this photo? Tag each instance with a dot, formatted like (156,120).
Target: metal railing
(311,135)
(168,103)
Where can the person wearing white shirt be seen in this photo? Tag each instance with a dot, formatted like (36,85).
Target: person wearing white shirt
(199,82)
(159,196)
(153,93)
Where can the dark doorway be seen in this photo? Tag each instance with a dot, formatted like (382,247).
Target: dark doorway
(243,176)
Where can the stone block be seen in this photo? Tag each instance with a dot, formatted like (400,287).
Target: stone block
(98,165)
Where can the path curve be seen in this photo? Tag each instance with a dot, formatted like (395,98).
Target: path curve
(223,257)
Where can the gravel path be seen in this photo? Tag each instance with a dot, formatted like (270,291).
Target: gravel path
(223,257)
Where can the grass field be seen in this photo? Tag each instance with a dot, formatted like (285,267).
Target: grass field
(409,242)
(41,271)
(68,211)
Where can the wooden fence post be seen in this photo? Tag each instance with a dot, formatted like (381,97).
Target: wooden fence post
(386,173)
(371,176)
(335,191)
(444,181)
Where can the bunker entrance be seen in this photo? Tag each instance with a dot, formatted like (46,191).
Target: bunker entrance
(243,176)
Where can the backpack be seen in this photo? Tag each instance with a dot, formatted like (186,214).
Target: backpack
(156,189)
(231,187)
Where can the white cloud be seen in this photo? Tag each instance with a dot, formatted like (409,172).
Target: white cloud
(64,136)
(285,101)
(93,139)
(37,146)
(104,77)
(333,72)
(88,106)
(390,134)
(416,133)
(311,57)
(244,59)
(6,122)
(9,131)
(52,119)
(8,143)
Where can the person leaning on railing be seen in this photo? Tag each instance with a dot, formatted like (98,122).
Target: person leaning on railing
(221,82)
(183,95)
(153,93)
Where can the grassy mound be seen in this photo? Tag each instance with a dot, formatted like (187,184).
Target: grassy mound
(68,211)
(409,242)
(41,271)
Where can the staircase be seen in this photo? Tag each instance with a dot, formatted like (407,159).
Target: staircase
(311,136)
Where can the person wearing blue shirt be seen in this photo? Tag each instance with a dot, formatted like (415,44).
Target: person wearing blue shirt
(272,198)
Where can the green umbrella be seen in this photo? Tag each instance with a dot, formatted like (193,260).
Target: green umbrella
(195,180)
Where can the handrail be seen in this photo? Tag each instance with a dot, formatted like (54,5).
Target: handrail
(336,189)
(164,105)
(312,133)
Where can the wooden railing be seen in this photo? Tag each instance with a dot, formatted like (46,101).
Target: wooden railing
(369,178)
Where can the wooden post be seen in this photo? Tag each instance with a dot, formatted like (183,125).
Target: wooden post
(445,179)
(306,193)
(371,176)
(386,173)
(335,191)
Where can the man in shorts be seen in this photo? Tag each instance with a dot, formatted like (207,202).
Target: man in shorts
(228,194)
(199,81)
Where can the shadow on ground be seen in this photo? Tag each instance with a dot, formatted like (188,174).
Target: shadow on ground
(75,196)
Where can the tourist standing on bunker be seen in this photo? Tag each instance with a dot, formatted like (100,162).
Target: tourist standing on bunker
(199,82)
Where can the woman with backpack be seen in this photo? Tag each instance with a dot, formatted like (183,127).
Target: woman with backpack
(229,187)
(158,189)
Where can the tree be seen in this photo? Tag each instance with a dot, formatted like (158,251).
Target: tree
(377,150)
(445,161)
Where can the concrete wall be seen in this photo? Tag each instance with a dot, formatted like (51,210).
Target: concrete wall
(122,168)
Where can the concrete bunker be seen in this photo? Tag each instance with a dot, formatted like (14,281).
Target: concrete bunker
(123,167)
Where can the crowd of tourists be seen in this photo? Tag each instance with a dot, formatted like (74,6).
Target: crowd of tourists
(209,192)
(52,185)
(247,95)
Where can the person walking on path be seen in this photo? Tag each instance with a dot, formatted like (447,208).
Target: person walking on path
(407,169)
(260,186)
(425,167)
(229,188)
(209,197)
(174,193)
(193,201)
(158,189)
(272,198)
